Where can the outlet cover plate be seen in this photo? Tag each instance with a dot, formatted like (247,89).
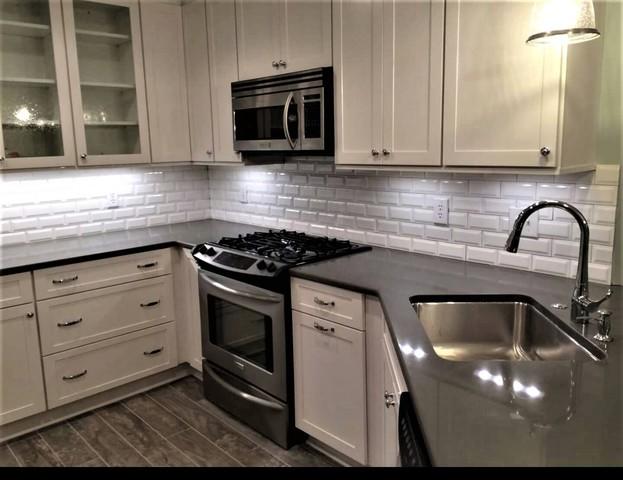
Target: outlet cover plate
(440,211)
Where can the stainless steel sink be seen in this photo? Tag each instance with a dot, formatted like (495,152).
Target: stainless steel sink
(496,327)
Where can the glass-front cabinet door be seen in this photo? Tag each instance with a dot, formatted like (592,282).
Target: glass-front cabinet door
(107,81)
(34,88)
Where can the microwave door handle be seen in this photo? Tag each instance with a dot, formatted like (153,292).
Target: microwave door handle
(286,130)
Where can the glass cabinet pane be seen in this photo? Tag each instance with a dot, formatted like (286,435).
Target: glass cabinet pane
(29,102)
(107,81)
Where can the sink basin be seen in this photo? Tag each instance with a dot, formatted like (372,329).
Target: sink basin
(516,328)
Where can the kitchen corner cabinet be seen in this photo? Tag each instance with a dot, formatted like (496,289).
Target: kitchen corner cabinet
(22,391)
(107,81)
(388,63)
(281,36)
(34,90)
(165,78)
(508,104)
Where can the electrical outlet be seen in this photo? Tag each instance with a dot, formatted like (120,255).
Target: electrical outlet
(112,200)
(243,196)
(530,228)
(440,211)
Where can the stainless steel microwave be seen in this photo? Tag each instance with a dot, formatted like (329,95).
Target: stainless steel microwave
(290,114)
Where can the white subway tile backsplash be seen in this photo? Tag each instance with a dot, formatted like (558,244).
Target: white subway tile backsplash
(387,197)
(25,224)
(344,194)
(420,215)
(524,190)
(598,233)
(488,189)
(356,208)
(398,183)
(554,229)
(598,273)
(601,254)
(40,234)
(555,266)
(565,248)
(535,245)
(603,214)
(498,206)
(400,213)
(376,239)
(12,238)
(460,235)
(485,222)
(551,191)
(308,216)
(413,229)
(401,243)
(425,185)
(605,194)
(451,250)
(376,211)
(424,246)
(466,204)
(438,233)
(481,255)
(514,260)
(413,199)
(366,223)
(388,226)
(345,221)
(453,186)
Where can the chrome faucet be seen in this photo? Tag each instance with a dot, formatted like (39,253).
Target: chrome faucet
(581,304)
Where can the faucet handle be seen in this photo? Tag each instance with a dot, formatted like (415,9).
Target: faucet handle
(604,327)
(592,305)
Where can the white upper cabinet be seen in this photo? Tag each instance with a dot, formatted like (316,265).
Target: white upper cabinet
(105,57)
(198,81)
(412,82)
(165,76)
(223,68)
(388,62)
(34,89)
(502,96)
(279,36)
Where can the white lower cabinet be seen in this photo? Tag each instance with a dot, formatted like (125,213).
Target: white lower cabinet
(330,384)
(187,310)
(21,388)
(84,371)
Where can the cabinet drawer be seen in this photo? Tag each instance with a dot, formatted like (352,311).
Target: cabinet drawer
(84,371)
(79,277)
(335,304)
(15,289)
(74,320)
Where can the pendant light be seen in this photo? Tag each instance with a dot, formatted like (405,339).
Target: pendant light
(562,22)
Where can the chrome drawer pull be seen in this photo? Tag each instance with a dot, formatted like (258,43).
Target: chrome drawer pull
(389,399)
(73,377)
(153,352)
(65,280)
(147,265)
(150,304)
(317,326)
(30,314)
(69,323)
(318,301)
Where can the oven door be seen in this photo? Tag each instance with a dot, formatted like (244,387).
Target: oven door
(267,122)
(243,331)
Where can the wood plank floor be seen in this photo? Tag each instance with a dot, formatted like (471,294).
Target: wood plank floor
(169,426)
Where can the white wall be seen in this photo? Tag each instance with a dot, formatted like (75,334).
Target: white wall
(46,204)
(395,210)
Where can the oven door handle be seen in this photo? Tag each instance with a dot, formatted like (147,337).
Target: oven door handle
(240,393)
(286,130)
(240,293)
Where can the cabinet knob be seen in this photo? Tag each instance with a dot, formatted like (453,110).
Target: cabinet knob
(275,64)
(208,152)
(375,152)
(83,156)
(1,159)
(386,152)
(545,151)
(30,314)
(282,63)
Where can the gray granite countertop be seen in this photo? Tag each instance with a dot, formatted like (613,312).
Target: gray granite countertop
(465,420)
(470,421)
(31,256)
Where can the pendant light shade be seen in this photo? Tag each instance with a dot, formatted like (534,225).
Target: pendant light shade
(561,22)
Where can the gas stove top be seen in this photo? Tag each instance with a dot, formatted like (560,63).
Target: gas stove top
(267,254)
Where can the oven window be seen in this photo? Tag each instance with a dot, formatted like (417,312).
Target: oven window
(242,332)
(265,123)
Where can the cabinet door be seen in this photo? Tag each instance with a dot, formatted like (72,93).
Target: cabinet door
(198,81)
(501,95)
(105,57)
(412,81)
(188,315)
(165,77)
(357,53)
(34,88)
(221,20)
(393,386)
(22,393)
(259,27)
(329,384)
(307,40)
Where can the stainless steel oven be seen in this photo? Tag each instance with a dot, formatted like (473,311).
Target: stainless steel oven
(285,114)
(244,331)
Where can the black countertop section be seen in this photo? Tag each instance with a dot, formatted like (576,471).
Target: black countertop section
(466,420)
(32,256)
(470,421)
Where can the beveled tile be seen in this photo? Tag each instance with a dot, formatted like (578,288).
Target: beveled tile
(201,450)
(67,444)
(158,451)
(111,447)
(32,451)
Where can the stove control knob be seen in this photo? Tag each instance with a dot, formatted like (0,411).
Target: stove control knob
(261,265)
(211,252)
(271,267)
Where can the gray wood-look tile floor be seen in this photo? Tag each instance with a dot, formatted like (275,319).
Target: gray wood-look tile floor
(169,426)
